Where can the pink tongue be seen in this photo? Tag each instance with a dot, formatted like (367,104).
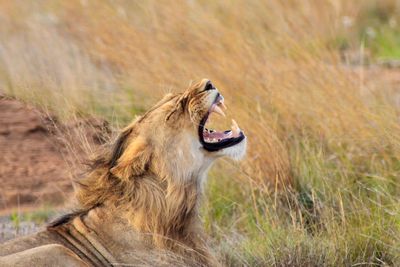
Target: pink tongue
(215,135)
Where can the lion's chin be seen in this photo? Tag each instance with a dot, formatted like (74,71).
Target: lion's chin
(236,152)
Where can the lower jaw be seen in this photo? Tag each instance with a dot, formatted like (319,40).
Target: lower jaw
(212,147)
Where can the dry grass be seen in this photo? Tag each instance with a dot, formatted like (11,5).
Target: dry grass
(311,119)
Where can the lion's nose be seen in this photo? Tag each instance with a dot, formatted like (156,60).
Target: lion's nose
(209,86)
(220,98)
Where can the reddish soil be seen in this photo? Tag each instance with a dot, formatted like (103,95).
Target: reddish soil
(34,169)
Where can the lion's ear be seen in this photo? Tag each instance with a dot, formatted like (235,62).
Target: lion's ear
(180,105)
(133,161)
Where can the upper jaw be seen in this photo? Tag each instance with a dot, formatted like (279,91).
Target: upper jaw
(213,140)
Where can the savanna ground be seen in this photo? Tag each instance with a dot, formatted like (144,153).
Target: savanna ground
(314,84)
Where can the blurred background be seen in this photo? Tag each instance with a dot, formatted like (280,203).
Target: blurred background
(314,84)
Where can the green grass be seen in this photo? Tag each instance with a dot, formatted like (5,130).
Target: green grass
(386,44)
(379,28)
(308,117)
(39,216)
(334,216)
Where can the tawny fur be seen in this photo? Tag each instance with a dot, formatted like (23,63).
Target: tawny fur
(153,175)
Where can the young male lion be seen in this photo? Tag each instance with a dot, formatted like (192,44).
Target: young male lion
(139,203)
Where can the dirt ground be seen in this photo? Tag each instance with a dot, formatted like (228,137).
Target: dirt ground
(32,170)
(35,168)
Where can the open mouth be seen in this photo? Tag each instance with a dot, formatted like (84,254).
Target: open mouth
(213,140)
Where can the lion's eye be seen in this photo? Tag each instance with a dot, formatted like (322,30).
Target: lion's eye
(209,86)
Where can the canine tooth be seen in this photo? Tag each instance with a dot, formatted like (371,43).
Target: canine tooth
(222,104)
(235,128)
(234,124)
(218,110)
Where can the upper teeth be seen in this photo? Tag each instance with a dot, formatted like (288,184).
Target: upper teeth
(221,103)
(218,110)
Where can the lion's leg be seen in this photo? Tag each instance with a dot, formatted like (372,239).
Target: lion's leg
(47,255)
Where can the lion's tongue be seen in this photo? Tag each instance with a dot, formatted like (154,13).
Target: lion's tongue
(223,135)
(216,135)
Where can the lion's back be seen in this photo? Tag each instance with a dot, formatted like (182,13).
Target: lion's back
(26,242)
(40,249)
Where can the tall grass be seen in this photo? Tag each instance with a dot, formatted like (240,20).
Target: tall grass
(320,184)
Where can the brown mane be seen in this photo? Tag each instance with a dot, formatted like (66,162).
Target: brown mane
(120,176)
(139,201)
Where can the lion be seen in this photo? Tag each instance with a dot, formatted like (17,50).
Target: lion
(138,204)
